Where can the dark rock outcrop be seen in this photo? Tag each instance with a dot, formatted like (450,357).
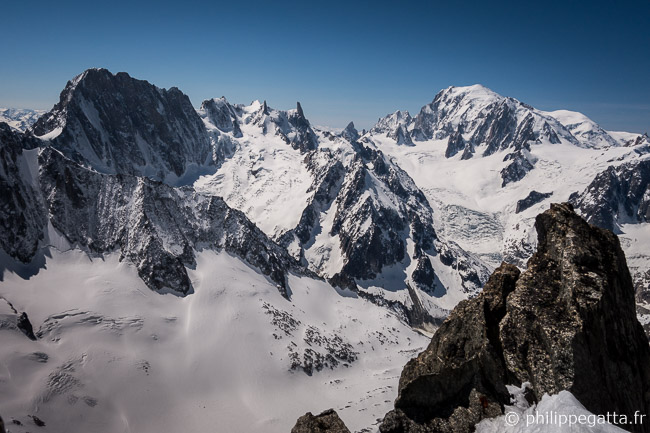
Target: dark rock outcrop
(617,195)
(460,378)
(326,422)
(519,166)
(350,133)
(531,199)
(456,143)
(571,322)
(567,323)
(153,225)
(19,203)
(25,326)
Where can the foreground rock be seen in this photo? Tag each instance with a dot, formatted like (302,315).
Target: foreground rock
(567,323)
(326,422)
(571,321)
(460,378)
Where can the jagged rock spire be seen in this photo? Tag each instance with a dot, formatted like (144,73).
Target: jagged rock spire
(350,132)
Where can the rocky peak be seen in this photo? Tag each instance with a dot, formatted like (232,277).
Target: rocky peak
(350,133)
(153,225)
(574,315)
(220,113)
(291,125)
(395,126)
(299,111)
(474,116)
(117,124)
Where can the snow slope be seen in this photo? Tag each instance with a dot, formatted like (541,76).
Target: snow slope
(114,356)
(262,176)
(560,413)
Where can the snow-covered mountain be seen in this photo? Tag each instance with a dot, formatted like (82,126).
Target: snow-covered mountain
(528,158)
(340,207)
(20,119)
(280,255)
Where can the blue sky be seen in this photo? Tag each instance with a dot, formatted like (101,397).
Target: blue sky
(342,60)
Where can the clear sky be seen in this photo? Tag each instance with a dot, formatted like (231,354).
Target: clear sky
(343,60)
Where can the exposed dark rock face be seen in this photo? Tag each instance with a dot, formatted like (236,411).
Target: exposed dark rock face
(25,326)
(371,246)
(531,199)
(328,178)
(377,209)
(326,422)
(617,195)
(515,171)
(39,422)
(456,143)
(117,124)
(303,136)
(568,322)
(424,274)
(19,202)
(571,322)
(153,225)
(350,133)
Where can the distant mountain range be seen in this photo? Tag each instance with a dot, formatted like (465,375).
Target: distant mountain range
(393,225)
